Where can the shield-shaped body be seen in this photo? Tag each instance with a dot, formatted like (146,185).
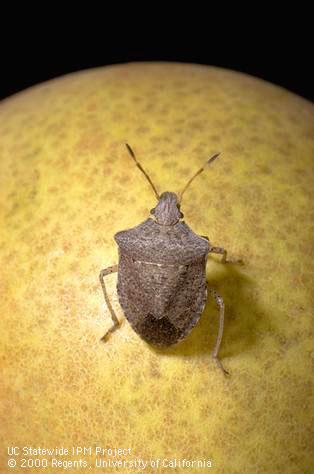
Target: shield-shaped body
(162,280)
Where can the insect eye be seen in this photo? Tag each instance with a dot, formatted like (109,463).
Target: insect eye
(181,215)
(152,211)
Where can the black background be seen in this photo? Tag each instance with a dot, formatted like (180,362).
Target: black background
(262,44)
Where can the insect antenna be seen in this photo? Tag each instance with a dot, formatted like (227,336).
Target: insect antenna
(142,169)
(208,162)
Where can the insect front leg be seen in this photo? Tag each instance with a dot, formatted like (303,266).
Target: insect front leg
(103,273)
(221,306)
(223,252)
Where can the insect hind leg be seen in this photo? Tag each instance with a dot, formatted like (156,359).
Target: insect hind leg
(116,324)
(221,306)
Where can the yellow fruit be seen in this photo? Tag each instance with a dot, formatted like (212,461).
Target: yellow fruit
(68,185)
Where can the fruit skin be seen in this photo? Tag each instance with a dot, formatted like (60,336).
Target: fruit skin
(68,185)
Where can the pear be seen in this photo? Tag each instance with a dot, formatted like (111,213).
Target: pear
(68,185)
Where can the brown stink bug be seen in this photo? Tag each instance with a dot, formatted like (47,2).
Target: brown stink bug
(162,285)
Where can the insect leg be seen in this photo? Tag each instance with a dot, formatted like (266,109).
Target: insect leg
(103,273)
(221,305)
(223,252)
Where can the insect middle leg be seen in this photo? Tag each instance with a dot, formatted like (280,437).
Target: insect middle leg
(103,273)
(221,306)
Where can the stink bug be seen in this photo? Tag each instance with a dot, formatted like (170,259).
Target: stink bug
(162,285)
